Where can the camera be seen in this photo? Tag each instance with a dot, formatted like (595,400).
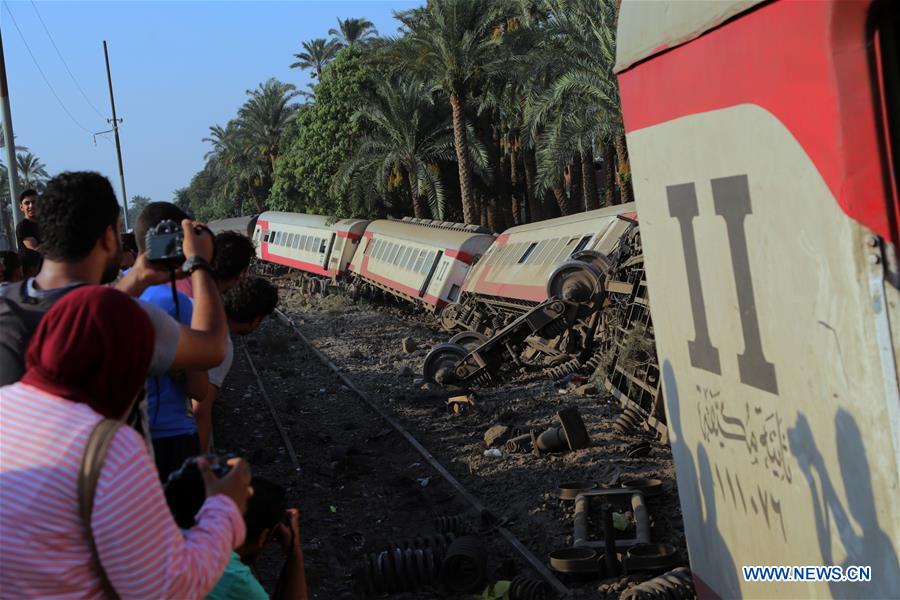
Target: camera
(164,243)
(185,490)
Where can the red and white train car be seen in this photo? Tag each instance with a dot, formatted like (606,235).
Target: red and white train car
(764,139)
(312,243)
(419,261)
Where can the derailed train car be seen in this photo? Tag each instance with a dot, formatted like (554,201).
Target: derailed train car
(424,262)
(312,243)
(763,139)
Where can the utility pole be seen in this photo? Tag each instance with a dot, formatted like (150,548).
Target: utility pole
(115,125)
(11,167)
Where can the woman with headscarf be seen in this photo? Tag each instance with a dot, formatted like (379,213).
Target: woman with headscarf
(87,361)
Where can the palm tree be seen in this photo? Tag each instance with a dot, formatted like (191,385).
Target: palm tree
(406,138)
(316,55)
(353,31)
(32,171)
(265,117)
(578,109)
(453,44)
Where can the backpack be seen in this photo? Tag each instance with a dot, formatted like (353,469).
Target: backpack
(20,315)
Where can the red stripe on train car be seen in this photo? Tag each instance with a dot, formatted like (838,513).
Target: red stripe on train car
(297,264)
(807,64)
(459,255)
(349,235)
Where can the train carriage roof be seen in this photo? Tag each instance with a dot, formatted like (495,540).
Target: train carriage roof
(609,211)
(423,234)
(650,27)
(305,220)
(238,224)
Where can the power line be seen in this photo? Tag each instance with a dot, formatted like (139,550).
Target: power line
(41,71)
(59,54)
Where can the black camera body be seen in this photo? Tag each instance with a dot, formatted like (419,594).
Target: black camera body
(163,243)
(185,490)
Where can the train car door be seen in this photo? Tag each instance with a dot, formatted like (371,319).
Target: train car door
(431,271)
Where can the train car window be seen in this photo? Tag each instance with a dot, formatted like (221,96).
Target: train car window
(527,252)
(566,250)
(277,238)
(290,240)
(426,264)
(322,246)
(302,244)
(296,240)
(420,256)
(404,259)
(582,244)
(394,254)
(310,243)
(453,294)
(540,251)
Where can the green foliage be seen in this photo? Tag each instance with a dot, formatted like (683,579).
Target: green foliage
(135,206)
(322,138)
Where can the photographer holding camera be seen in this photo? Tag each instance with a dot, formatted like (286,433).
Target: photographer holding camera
(266,519)
(80,224)
(82,513)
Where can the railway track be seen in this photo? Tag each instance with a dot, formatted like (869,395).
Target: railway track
(518,547)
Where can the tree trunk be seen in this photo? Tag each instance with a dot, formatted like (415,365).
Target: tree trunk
(576,186)
(470,213)
(591,198)
(551,207)
(419,210)
(535,210)
(609,174)
(562,201)
(514,180)
(511,211)
(624,170)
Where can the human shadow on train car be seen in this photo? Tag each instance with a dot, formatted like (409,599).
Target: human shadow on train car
(710,555)
(873,546)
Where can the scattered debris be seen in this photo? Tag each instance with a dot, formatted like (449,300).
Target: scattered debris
(649,487)
(455,524)
(650,557)
(464,568)
(520,443)
(409,345)
(524,587)
(676,584)
(496,435)
(588,389)
(493,453)
(570,489)
(639,449)
(575,560)
(459,404)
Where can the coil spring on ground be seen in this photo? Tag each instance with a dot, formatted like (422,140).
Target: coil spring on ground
(464,568)
(675,584)
(524,587)
(406,565)
(455,524)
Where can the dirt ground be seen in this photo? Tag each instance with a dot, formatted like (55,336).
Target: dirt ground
(359,485)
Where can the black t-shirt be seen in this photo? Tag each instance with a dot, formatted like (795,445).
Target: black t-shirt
(26,229)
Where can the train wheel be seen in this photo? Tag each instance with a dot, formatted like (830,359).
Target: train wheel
(449,317)
(576,281)
(469,339)
(441,362)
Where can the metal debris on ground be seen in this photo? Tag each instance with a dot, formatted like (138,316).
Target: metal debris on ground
(675,585)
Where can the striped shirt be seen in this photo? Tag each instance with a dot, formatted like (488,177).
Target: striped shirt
(44,548)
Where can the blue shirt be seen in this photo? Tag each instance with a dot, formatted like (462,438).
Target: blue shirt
(168,407)
(237,583)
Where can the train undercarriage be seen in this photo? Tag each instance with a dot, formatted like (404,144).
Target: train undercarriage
(595,322)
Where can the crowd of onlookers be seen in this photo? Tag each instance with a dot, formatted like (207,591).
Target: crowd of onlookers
(111,363)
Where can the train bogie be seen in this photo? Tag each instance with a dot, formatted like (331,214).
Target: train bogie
(311,243)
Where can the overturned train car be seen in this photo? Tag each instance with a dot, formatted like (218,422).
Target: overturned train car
(763,139)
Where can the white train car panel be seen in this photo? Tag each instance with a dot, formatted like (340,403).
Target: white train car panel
(419,262)
(243,225)
(522,258)
(311,243)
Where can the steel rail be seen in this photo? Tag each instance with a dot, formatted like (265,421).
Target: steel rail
(513,541)
(262,388)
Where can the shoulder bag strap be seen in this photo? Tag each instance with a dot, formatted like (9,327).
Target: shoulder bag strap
(88,475)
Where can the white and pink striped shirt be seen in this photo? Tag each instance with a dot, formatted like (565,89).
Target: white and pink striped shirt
(43,544)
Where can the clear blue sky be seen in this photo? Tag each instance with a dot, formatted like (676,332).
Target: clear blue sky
(177,67)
